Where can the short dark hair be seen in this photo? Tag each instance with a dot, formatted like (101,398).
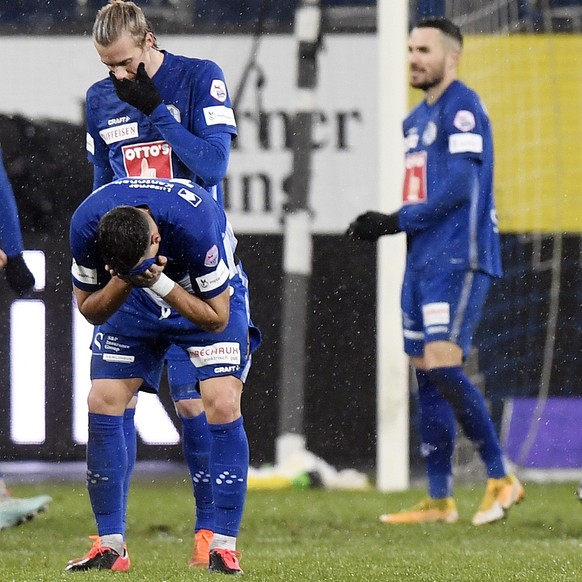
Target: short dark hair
(123,236)
(447,27)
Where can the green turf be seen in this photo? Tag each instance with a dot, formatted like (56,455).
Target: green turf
(310,535)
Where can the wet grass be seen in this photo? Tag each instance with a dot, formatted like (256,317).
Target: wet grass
(310,535)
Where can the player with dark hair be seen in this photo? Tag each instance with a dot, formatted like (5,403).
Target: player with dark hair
(154,266)
(453,253)
(166,116)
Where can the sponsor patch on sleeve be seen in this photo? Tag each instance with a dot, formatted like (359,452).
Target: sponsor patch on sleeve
(219,115)
(211,259)
(83,274)
(464,120)
(218,90)
(465,142)
(214,280)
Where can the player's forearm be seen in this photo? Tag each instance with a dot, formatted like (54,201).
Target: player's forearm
(211,315)
(99,306)
(205,157)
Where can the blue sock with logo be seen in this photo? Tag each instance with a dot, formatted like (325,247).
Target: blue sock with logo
(472,414)
(438,430)
(106,470)
(229,467)
(130,434)
(196,444)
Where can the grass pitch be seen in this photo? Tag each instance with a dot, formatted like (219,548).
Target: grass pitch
(313,535)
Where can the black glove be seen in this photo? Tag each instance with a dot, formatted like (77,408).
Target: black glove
(371,225)
(141,92)
(18,275)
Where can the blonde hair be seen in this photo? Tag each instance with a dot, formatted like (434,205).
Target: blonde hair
(118,17)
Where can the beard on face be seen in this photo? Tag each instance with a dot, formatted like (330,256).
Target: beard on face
(428,84)
(430,81)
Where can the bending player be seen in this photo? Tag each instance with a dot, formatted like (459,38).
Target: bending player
(153,267)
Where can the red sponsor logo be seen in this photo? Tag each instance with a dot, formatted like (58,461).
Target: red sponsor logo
(414,190)
(148,160)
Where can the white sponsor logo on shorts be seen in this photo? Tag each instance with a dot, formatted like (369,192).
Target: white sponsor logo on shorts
(219,353)
(118,358)
(225,369)
(436,314)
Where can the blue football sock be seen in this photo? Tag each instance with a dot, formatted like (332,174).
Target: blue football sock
(196,444)
(438,430)
(130,435)
(229,466)
(472,414)
(106,470)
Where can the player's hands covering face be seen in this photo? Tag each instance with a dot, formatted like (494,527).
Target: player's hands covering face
(140,277)
(141,92)
(371,225)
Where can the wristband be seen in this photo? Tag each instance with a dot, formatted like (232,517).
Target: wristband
(163,285)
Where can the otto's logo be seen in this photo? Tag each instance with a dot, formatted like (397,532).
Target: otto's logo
(150,160)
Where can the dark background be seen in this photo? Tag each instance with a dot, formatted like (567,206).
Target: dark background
(50,178)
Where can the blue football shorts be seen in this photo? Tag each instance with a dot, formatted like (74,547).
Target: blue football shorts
(442,306)
(182,375)
(135,340)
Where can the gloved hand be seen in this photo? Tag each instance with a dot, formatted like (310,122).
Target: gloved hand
(141,92)
(371,225)
(18,275)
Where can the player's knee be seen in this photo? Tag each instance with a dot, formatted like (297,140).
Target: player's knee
(449,384)
(103,401)
(189,408)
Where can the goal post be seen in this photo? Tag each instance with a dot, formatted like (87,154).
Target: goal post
(392,445)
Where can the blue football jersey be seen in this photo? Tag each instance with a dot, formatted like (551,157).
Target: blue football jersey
(196,236)
(124,139)
(10,234)
(448,228)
